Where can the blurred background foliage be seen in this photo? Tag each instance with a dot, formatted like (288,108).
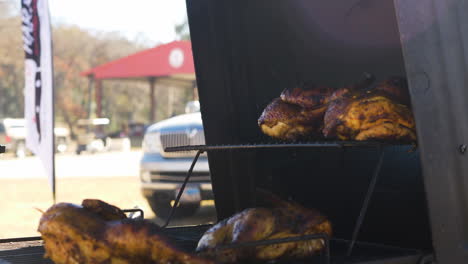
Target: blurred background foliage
(76,50)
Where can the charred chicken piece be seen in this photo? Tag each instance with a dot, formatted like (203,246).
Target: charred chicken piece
(106,211)
(397,89)
(307,95)
(359,87)
(254,224)
(298,113)
(371,114)
(75,234)
(286,121)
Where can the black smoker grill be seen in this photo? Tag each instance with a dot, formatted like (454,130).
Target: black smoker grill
(247,51)
(388,204)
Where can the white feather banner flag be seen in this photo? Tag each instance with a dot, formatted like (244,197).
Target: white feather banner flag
(39,91)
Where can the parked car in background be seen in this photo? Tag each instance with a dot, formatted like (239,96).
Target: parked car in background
(62,138)
(13,136)
(91,135)
(162,173)
(136,131)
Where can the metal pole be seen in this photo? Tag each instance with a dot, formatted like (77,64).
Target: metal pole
(367,199)
(90,95)
(182,188)
(98,98)
(54,185)
(152,82)
(194,91)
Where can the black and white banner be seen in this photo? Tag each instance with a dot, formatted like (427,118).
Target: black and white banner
(38,92)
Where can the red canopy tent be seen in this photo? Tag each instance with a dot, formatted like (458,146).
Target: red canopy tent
(172,62)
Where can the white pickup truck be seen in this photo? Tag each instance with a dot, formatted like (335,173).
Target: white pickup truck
(162,173)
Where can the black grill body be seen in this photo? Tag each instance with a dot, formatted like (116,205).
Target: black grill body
(246,52)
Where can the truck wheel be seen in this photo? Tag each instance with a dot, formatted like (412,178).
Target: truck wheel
(162,208)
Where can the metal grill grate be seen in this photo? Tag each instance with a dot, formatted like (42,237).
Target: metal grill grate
(280,145)
(186,238)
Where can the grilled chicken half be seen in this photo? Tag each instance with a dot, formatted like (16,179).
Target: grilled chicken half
(287,219)
(285,121)
(298,113)
(307,95)
(380,113)
(97,232)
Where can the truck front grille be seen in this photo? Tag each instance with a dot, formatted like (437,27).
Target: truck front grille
(171,139)
(179,176)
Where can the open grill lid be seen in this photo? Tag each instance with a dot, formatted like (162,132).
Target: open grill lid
(247,52)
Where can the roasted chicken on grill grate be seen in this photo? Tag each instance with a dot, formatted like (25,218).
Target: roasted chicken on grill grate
(97,232)
(286,219)
(380,113)
(287,121)
(297,113)
(357,112)
(307,95)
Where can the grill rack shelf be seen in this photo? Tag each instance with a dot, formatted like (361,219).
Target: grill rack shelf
(320,144)
(282,145)
(31,250)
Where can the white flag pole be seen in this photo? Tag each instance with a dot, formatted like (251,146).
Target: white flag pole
(53,179)
(39,90)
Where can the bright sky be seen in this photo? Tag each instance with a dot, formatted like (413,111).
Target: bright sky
(152,19)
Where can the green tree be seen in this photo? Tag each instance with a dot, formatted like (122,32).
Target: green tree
(11,63)
(76,50)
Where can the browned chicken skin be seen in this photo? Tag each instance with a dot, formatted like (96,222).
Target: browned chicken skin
(288,219)
(75,234)
(286,121)
(356,112)
(397,89)
(307,96)
(371,114)
(347,91)
(298,113)
(106,211)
